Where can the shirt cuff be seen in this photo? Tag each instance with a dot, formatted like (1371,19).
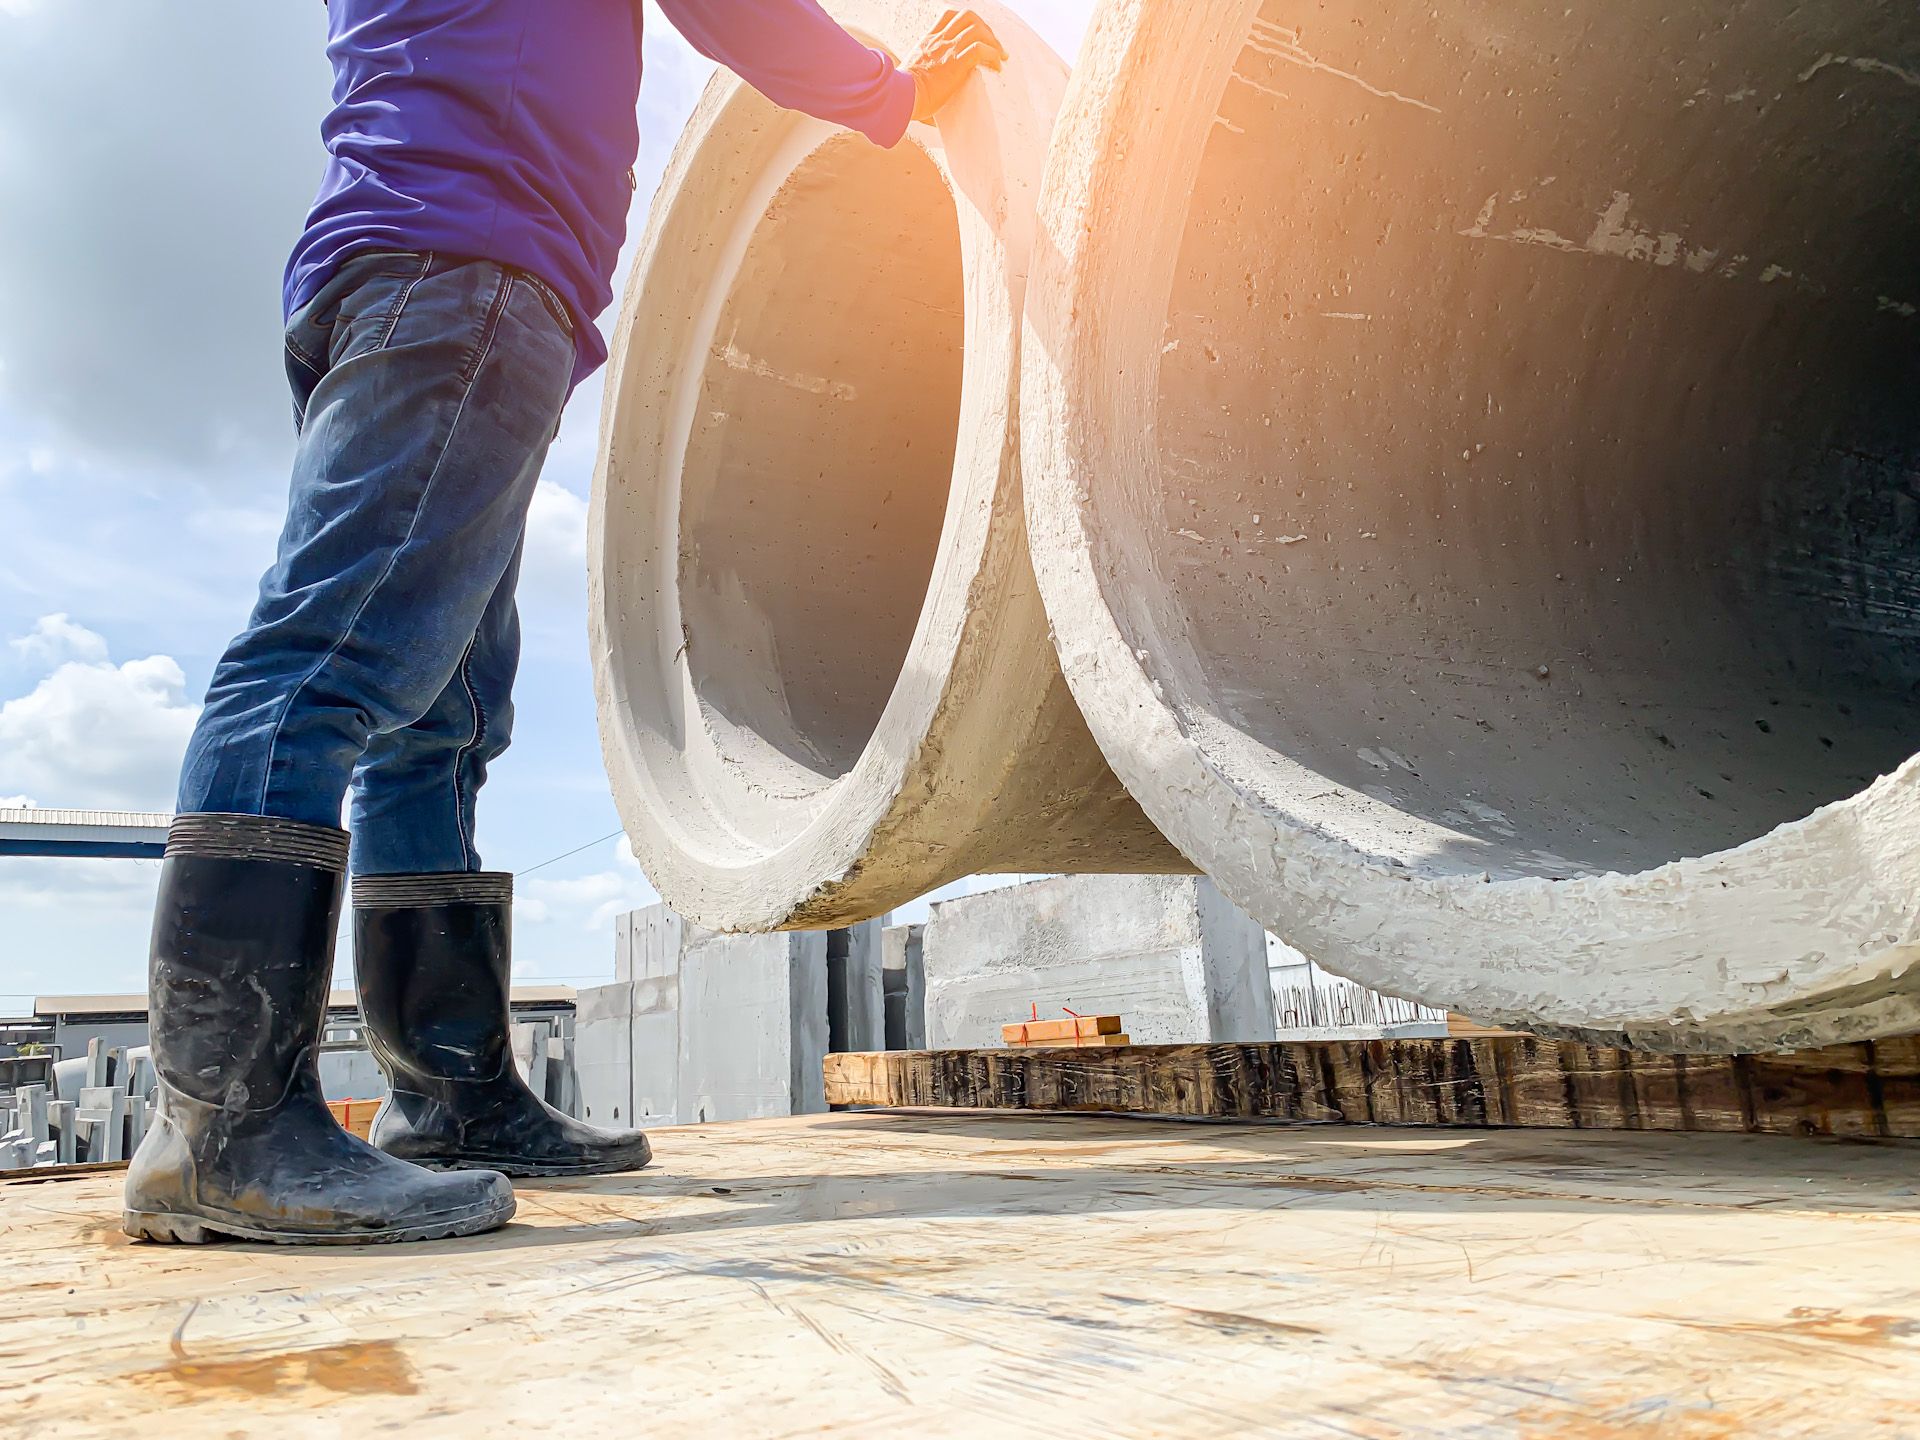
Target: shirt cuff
(894,113)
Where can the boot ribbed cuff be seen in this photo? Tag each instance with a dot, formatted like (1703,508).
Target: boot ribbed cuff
(258,837)
(413,892)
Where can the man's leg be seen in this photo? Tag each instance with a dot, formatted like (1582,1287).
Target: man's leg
(416,786)
(422,440)
(433,938)
(427,392)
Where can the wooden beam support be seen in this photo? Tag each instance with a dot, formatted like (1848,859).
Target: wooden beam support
(1030,1032)
(1869,1090)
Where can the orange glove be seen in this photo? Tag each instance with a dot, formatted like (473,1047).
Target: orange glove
(959,43)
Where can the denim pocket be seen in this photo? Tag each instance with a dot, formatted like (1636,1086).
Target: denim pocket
(551,299)
(357,308)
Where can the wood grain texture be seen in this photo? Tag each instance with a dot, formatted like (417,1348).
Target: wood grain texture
(880,1275)
(1865,1091)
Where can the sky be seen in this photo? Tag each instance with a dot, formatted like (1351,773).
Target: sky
(157,160)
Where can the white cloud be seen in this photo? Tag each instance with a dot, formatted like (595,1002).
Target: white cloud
(585,902)
(55,638)
(93,733)
(555,562)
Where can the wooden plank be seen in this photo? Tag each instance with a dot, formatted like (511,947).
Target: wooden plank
(1072,1042)
(1027,1032)
(1866,1091)
(871,1274)
(1896,1068)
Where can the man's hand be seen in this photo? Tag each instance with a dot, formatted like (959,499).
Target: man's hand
(960,42)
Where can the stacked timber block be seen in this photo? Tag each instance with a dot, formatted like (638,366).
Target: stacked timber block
(1169,952)
(1078,1032)
(355,1116)
(1869,1090)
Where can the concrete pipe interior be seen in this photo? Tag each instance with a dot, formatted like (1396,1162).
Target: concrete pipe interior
(824,675)
(807,538)
(1533,481)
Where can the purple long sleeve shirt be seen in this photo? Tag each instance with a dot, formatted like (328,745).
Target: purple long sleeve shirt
(506,130)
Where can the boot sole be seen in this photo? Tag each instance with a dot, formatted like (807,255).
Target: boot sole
(168,1229)
(517,1170)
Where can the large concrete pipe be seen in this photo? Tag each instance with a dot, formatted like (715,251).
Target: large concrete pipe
(824,677)
(1473,465)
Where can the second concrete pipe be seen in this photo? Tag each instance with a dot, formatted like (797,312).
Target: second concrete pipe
(1473,457)
(824,675)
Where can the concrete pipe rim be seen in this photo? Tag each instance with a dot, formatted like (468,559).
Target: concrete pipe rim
(1647,956)
(737,834)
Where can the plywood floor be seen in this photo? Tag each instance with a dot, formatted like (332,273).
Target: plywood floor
(915,1273)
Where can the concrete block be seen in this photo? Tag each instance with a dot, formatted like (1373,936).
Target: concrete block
(60,1121)
(530,1054)
(102,1116)
(752,1021)
(351,1075)
(1167,953)
(856,994)
(30,1106)
(603,1052)
(657,935)
(139,1116)
(903,974)
(563,1080)
(141,1077)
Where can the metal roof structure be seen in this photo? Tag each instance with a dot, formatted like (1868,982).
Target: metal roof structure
(84,834)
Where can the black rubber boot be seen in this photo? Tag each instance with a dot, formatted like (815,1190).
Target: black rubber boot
(243,1144)
(432,953)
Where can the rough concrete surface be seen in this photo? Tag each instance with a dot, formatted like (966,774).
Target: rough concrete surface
(824,678)
(1168,954)
(700,1027)
(1469,459)
(753,1026)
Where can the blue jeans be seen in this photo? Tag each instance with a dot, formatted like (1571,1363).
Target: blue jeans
(381,652)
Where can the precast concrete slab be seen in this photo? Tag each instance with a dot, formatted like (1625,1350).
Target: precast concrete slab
(700,1027)
(824,679)
(1470,460)
(1168,954)
(753,1026)
(903,972)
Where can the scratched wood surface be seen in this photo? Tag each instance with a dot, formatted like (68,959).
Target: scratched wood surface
(1868,1091)
(921,1273)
